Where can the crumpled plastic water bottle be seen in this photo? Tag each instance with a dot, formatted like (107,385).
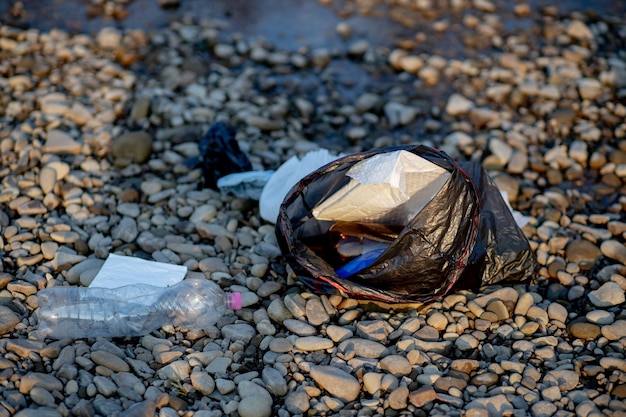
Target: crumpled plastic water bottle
(131,310)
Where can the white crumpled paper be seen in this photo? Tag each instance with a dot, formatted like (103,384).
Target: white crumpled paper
(118,271)
(389,188)
(286,176)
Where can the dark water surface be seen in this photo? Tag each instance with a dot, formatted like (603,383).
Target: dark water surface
(290,24)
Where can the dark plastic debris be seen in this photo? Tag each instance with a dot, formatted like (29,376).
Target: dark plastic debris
(464,237)
(220,154)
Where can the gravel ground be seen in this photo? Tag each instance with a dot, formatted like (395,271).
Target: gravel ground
(94,135)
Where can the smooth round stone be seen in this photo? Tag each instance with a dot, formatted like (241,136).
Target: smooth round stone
(203,382)
(422,396)
(280,314)
(338,333)
(487,379)
(64,236)
(543,409)
(8,320)
(238,331)
(584,331)
(129,209)
(268,288)
(529,328)
(175,371)
(582,251)
(458,105)
(398,398)
(203,213)
(363,348)
(538,314)
(337,382)
(557,312)
(132,147)
(372,382)
(615,250)
(47,179)
(608,362)
(608,295)
(109,360)
(311,343)
(566,380)
(296,305)
(446,383)
(280,345)
(396,365)
(506,295)
(274,381)
(224,386)
(42,397)
(299,327)
(255,406)
(466,342)
(437,320)
(315,312)
(297,402)
(500,310)
(465,366)
(615,331)
(524,302)
(600,317)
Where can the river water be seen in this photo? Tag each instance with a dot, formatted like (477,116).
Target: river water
(290,24)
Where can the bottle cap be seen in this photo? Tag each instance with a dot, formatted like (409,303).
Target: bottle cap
(234,301)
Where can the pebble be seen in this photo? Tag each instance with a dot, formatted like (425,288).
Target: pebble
(582,330)
(614,250)
(608,295)
(8,320)
(98,157)
(363,348)
(564,379)
(240,331)
(458,105)
(337,382)
(311,343)
(109,360)
(131,147)
(255,400)
(396,365)
(614,331)
(600,317)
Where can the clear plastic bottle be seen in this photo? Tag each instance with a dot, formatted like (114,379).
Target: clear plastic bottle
(132,310)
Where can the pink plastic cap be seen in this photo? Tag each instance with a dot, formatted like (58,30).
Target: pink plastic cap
(234,301)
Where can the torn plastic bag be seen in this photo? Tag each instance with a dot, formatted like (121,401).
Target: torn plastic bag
(461,233)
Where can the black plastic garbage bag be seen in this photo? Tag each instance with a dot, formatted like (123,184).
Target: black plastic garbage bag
(465,236)
(220,154)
